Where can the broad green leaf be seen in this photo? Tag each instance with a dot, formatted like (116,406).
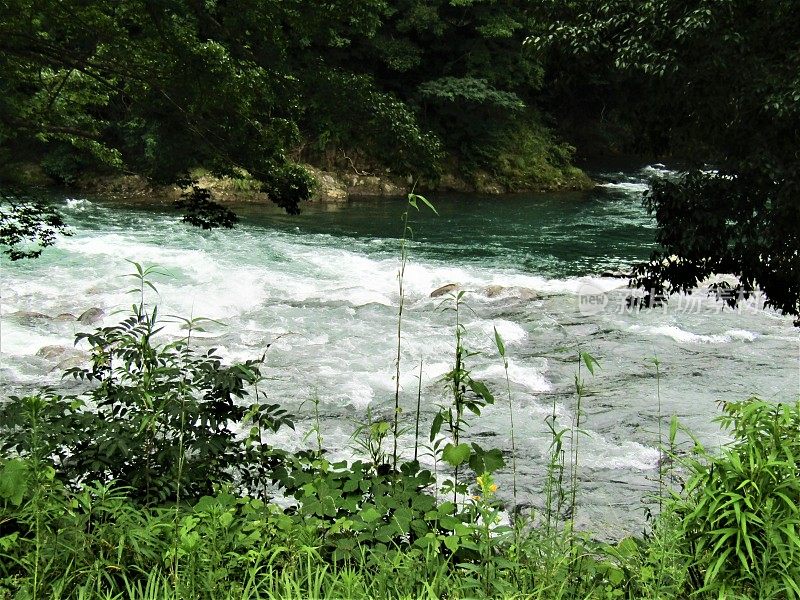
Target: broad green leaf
(455,455)
(370,514)
(436,426)
(590,361)
(13,481)
(452,542)
(493,460)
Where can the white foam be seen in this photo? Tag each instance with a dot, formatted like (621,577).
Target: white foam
(626,186)
(599,453)
(358,393)
(742,334)
(512,333)
(682,336)
(78,203)
(22,341)
(528,376)
(657,170)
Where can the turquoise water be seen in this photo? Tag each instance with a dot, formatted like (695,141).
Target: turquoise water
(321,290)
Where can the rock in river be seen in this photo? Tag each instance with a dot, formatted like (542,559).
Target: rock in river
(521,293)
(92,316)
(29,318)
(445,289)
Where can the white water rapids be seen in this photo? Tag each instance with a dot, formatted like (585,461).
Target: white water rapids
(322,290)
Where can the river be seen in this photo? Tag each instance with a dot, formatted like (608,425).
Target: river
(321,288)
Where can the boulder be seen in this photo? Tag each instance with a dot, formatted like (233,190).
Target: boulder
(526,294)
(492,291)
(70,362)
(51,352)
(372,185)
(92,315)
(329,188)
(445,289)
(451,183)
(66,317)
(65,357)
(58,352)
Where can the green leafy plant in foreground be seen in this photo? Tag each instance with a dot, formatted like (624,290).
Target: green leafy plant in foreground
(159,418)
(740,507)
(467,394)
(156,483)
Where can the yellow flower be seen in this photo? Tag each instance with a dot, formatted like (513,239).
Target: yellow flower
(493,487)
(480,481)
(476,498)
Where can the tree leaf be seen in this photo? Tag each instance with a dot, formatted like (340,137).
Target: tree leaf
(13,481)
(456,455)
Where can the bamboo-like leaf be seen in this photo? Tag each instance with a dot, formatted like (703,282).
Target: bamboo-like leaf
(427,203)
(590,361)
(480,388)
(498,340)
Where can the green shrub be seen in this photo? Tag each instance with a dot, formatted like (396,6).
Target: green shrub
(740,508)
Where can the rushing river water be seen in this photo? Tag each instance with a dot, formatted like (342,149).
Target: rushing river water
(323,288)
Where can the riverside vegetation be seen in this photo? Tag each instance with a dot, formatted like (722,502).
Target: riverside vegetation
(159,482)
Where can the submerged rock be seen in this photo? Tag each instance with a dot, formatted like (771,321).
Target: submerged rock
(92,316)
(65,357)
(616,274)
(491,291)
(52,352)
(522,293)
(445,289)
(58,352)
(28,317)
(70,362)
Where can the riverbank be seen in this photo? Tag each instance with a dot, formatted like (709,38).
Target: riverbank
(330,186)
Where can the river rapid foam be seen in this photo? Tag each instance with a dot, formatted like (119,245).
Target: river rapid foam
(321,293)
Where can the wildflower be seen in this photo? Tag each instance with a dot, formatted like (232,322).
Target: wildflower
(476,498)
(493,488)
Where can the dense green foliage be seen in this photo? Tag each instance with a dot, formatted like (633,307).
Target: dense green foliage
(740,513)
(718,87)
(27,226)
(421,89)
(161,88)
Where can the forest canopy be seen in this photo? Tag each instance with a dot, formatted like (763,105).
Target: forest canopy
(159,88)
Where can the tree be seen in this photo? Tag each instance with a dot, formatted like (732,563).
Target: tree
(158,87)
(27,226)
(724,93)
